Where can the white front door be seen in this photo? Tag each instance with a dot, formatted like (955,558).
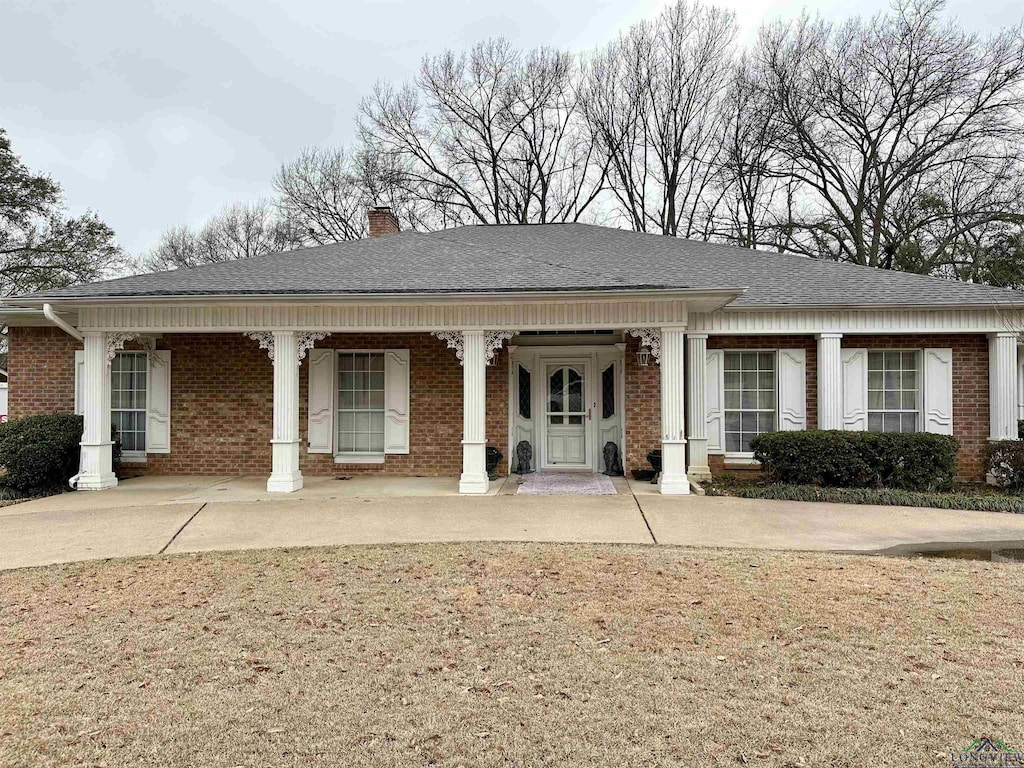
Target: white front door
(566,416)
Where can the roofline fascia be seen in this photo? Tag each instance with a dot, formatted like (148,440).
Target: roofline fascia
(874,307)
(357,298)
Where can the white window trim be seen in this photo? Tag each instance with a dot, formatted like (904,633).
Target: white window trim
(359,457)
(747,457)
(919,396)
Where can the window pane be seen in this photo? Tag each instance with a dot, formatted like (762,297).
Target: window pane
(732,380)
(732,399)
(749,361)
(875,422)
(732,363)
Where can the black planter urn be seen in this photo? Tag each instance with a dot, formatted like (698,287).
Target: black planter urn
(493,457)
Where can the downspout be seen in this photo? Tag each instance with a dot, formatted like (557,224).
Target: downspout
(61,323)
(69,329)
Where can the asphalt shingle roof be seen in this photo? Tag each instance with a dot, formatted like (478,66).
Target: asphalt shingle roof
(549,257)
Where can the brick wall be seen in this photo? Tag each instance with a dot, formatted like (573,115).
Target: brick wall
(970,392)
(41,368)
(970,389)
(222,401)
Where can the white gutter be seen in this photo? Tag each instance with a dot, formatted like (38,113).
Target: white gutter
(61,323)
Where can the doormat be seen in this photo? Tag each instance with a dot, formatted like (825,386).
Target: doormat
(571,483)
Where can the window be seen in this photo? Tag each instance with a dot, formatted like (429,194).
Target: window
(608,392)
(525,392)
(750,398)
(128,399)
(360,402)
(893,391)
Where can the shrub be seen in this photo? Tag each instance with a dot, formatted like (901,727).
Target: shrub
(1006,463)
(40,453)
(913,461)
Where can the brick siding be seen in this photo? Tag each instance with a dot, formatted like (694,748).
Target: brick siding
(222,396)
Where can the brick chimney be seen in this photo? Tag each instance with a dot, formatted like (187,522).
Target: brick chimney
(382,221)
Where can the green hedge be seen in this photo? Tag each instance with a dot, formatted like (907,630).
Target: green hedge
(887,497)
(41,453)
(913,461)
(1006,463)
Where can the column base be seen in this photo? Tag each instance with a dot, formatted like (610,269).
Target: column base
(96,482)
(288,483)
(474,483)
(673,480)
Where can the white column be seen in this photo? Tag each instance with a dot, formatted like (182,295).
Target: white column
(830,381)
(1002,386)
(285,475)
(696,412)
(97,472)
(474,413)
(673,412)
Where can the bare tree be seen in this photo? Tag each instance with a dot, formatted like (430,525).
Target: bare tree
(904,132)
(326,193)
(239,232)
(494,136)
(654,101)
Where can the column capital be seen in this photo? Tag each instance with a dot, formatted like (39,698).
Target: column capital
(828,335)
(1004,335)
(698,336)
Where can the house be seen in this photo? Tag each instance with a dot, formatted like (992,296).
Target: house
(409,353)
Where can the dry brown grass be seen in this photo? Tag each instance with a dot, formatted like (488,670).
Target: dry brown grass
(508,655)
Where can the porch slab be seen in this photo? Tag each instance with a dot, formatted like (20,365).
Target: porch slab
(133,492)
(718,521)
(406,520)
(251,488)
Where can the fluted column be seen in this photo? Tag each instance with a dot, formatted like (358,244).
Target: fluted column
(673,412)
(830,381)
(96,465)
(1002,384)
(474,413)
(285,475)
(696,412)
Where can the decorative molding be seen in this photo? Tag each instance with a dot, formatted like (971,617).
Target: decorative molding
(493,341)
(833,321)
(650,338)
(307,340)
(454,339)
(266,340)
(116,341)
(571,314)
(457,341)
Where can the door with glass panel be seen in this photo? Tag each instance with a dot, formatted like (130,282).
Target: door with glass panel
(566,417)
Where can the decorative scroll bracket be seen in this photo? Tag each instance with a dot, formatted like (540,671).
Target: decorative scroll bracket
(650,338)
(304,341)
(493,341)
(116,342)
(266,340)
(307,340)
(457,341)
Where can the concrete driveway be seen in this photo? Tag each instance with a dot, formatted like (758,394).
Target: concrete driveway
(148,516)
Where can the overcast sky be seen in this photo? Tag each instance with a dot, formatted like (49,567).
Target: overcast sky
(155,114)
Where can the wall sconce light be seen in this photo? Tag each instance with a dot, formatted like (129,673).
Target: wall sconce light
(643,356)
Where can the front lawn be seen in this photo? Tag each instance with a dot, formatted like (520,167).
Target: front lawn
(508,655)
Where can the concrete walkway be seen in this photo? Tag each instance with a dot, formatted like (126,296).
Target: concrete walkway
(149,516)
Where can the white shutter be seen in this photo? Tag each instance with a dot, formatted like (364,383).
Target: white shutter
(158,402)
(855,389)
(714,384)
(396,401)
(938,391)
(792,389)
(320,403)
(79,373)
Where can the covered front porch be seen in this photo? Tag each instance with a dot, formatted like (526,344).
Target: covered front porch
(409,363)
